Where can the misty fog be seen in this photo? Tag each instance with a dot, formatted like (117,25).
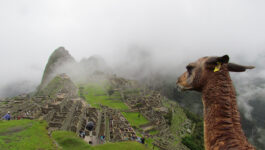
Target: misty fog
(136,38)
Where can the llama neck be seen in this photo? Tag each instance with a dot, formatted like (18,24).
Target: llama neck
(222,126)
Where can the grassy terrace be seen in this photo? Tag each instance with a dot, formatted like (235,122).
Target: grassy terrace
(24,135)
(133,118)
(122,146)
(153,132)
(178,117)
(32,135)
(148,141)
(69,141)
(96,94)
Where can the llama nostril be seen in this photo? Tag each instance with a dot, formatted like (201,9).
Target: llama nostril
(179,88)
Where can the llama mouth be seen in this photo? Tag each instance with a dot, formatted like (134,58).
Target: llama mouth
(181,88)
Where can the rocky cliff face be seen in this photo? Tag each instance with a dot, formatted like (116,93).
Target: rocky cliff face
(60,61)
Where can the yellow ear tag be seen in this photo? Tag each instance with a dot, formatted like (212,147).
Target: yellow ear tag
(217,67)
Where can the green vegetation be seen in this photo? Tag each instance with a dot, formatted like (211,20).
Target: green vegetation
(177,117)
(24,135)
(148,141)
(53,87)
(169,117)
(153,132)
(96,94)
(195,140)
(56,85)
(192,101)
(110,90)
(138,105)
(59,56)
(133,118)
(122,146)
(27,134)
(69,141)
(81,92)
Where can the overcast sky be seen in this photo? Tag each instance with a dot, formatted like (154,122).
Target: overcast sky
(174,31)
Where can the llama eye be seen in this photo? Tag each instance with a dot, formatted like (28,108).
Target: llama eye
(189,69)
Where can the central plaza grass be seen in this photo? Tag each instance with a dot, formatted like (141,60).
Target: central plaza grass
(122,146)
(32,135)
(148,141)
(69,141)
(153,132)
(25,135)
(96,94)
(133,118)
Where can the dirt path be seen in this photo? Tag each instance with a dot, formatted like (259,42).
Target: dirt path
(147,128)
(94,139)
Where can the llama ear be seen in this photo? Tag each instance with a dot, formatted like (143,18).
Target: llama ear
(216,63)
(224,59)
(214,60)
(238,68)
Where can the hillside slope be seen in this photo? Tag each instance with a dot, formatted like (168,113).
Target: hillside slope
(122,110)
(59,61)
(25,134)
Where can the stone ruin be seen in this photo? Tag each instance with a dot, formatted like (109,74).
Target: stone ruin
(65,112)
(149,106)
(19,106)
(119,128)
(109,123)
(69,112)
(149,103)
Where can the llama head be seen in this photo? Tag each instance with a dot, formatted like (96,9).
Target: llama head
(199,72)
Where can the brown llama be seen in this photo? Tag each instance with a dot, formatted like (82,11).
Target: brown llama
(222,127)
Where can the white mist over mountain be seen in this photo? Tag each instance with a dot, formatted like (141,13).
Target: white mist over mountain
(133,36)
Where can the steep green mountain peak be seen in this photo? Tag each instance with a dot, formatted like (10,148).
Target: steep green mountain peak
(59,62)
